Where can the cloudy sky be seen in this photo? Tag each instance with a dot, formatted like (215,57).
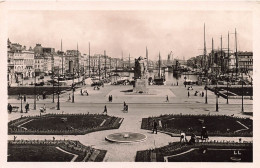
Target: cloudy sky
(131,31)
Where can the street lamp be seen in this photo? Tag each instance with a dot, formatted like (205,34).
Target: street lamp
(251,97)
(34,90)
(73,88)
(242,109)
(52,85)
(216,92)
(21,104)
(206,87)
(227,88)
(58,103)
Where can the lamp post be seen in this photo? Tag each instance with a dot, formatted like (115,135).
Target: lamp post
(73,88)
(251,97)
(216,90)
(227,88)
(185,80)
(21,104)
(242,109)
(58,103)
(52,79)
(34,90)
(206,88)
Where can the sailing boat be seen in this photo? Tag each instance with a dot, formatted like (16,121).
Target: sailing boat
(160,79)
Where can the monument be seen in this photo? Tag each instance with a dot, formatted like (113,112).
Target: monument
(140,76)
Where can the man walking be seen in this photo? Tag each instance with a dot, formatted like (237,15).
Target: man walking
(26,107)
(188,94)
(24,98)
(105,109)
(154,126)
(167,98)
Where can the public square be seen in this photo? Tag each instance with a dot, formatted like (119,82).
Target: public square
(140,106)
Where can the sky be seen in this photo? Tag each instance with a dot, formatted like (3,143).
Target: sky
(129,32)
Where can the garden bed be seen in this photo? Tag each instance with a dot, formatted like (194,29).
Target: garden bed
(199,152)
(51,151)
(63,124)
(216,125)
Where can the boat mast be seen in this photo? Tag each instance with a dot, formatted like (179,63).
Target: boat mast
(159,65)
(147,58)
(236,52)
(212,56)
(221,56)
(228,55)
(105,63)
(205,50)
(61,58)
(89,59)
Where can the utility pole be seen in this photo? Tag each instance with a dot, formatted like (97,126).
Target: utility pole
(105,64)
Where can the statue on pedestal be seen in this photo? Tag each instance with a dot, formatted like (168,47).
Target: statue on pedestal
(141,75)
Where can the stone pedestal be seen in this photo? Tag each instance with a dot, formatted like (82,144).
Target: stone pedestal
(141,86)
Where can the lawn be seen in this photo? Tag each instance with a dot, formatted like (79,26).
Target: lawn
(36,153)
(215,125)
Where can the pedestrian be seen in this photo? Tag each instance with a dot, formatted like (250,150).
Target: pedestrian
(109,98)
(183,137)
(105,109)
(202,94)
(38,96)
(69,97)
(124,106)
(19,96)
(44,108)
(167,98)
(177,83)
(154,126)
(26,107)
(188,94)
(9,108)
(204,134)
(24,98)
(192,139)
(81,92)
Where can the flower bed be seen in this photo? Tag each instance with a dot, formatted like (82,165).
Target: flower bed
(63,124)
(216,125)
(200,152)
(45,150)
